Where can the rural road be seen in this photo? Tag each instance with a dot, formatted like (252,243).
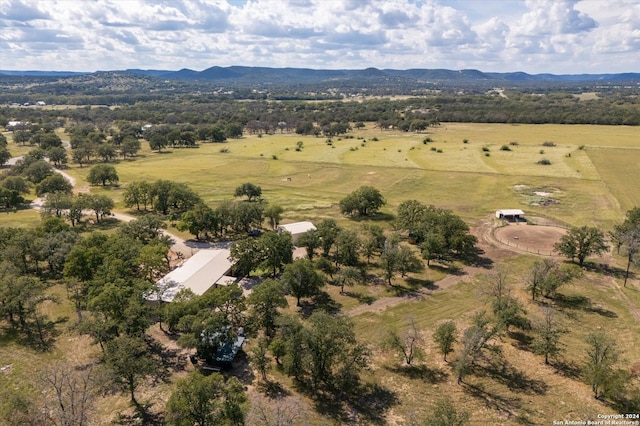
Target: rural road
(179,245)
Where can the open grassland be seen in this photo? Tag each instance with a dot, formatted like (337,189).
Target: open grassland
(309,183)
(620,170)
(20,218)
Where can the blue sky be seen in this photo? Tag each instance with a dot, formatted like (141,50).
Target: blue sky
(535,36)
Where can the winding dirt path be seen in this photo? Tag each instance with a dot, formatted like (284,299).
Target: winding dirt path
(492,250)
(179,245)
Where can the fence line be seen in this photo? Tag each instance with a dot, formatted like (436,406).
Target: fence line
(532,221)
(523,247)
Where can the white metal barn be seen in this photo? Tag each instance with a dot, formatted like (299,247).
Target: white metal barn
(198,273)
(296,229)
(509,214)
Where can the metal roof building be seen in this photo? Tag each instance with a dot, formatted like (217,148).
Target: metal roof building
(198,273)
(506,213)
(296,229)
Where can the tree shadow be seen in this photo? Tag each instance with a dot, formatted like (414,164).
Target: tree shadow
(273,389)
(494,401)
(514,379)
(322,301)
(567,369)
(367,404)
(420,372)
(140,416)
(170,360)
(241,369)
(522,340)
(402,291)
(376,217)
(418,283)
(582,303)
(362,298)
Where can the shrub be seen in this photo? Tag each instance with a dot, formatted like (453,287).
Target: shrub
(399,150)
(544,162)
(505,148)
(581,147)
(427,140)
(486,154)
(375,139)
(224,150)
(275,157)
(542,151)
(548,143)
(514,143)
(465,140)
(439,151)
(433,148)
(485,149)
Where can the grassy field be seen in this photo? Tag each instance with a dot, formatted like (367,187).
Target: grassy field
(310,182)
(593,179)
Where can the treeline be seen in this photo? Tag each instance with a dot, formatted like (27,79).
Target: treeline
(275,116)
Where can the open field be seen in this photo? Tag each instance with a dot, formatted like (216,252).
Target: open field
(593,179)
(310,182)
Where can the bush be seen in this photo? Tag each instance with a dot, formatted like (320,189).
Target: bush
(485,149)
(542,151)
(465,140)
(505,148)
(548,143)
(375,139)
(275,157)
(433,148)
(544,162)
(427,140)
(514,143)
(581,147)
(439,151)
(486,154)
(224,150)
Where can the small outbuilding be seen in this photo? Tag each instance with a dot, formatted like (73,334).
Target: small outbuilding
(297,229)
(199,273)
(510,214)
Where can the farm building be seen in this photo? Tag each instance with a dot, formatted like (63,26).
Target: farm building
(296,229)
(221,348)
(198,273)
(510,214)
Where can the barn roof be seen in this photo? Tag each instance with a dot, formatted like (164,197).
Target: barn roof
(198,273)
(297,227)
(510,212)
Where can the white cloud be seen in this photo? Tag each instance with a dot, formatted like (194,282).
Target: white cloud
(557,36)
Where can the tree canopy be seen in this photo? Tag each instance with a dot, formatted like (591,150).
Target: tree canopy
(364,201)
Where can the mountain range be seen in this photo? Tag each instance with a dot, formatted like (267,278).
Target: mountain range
(265,75)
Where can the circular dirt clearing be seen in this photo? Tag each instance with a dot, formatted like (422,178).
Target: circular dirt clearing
(531,238)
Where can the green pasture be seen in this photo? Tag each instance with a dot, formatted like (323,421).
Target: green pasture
(309,183)
(26,218)
(619,169)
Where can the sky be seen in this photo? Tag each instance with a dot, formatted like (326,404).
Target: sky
(534,36)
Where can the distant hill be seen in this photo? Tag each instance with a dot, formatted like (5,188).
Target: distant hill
(43,73)
(266,75)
